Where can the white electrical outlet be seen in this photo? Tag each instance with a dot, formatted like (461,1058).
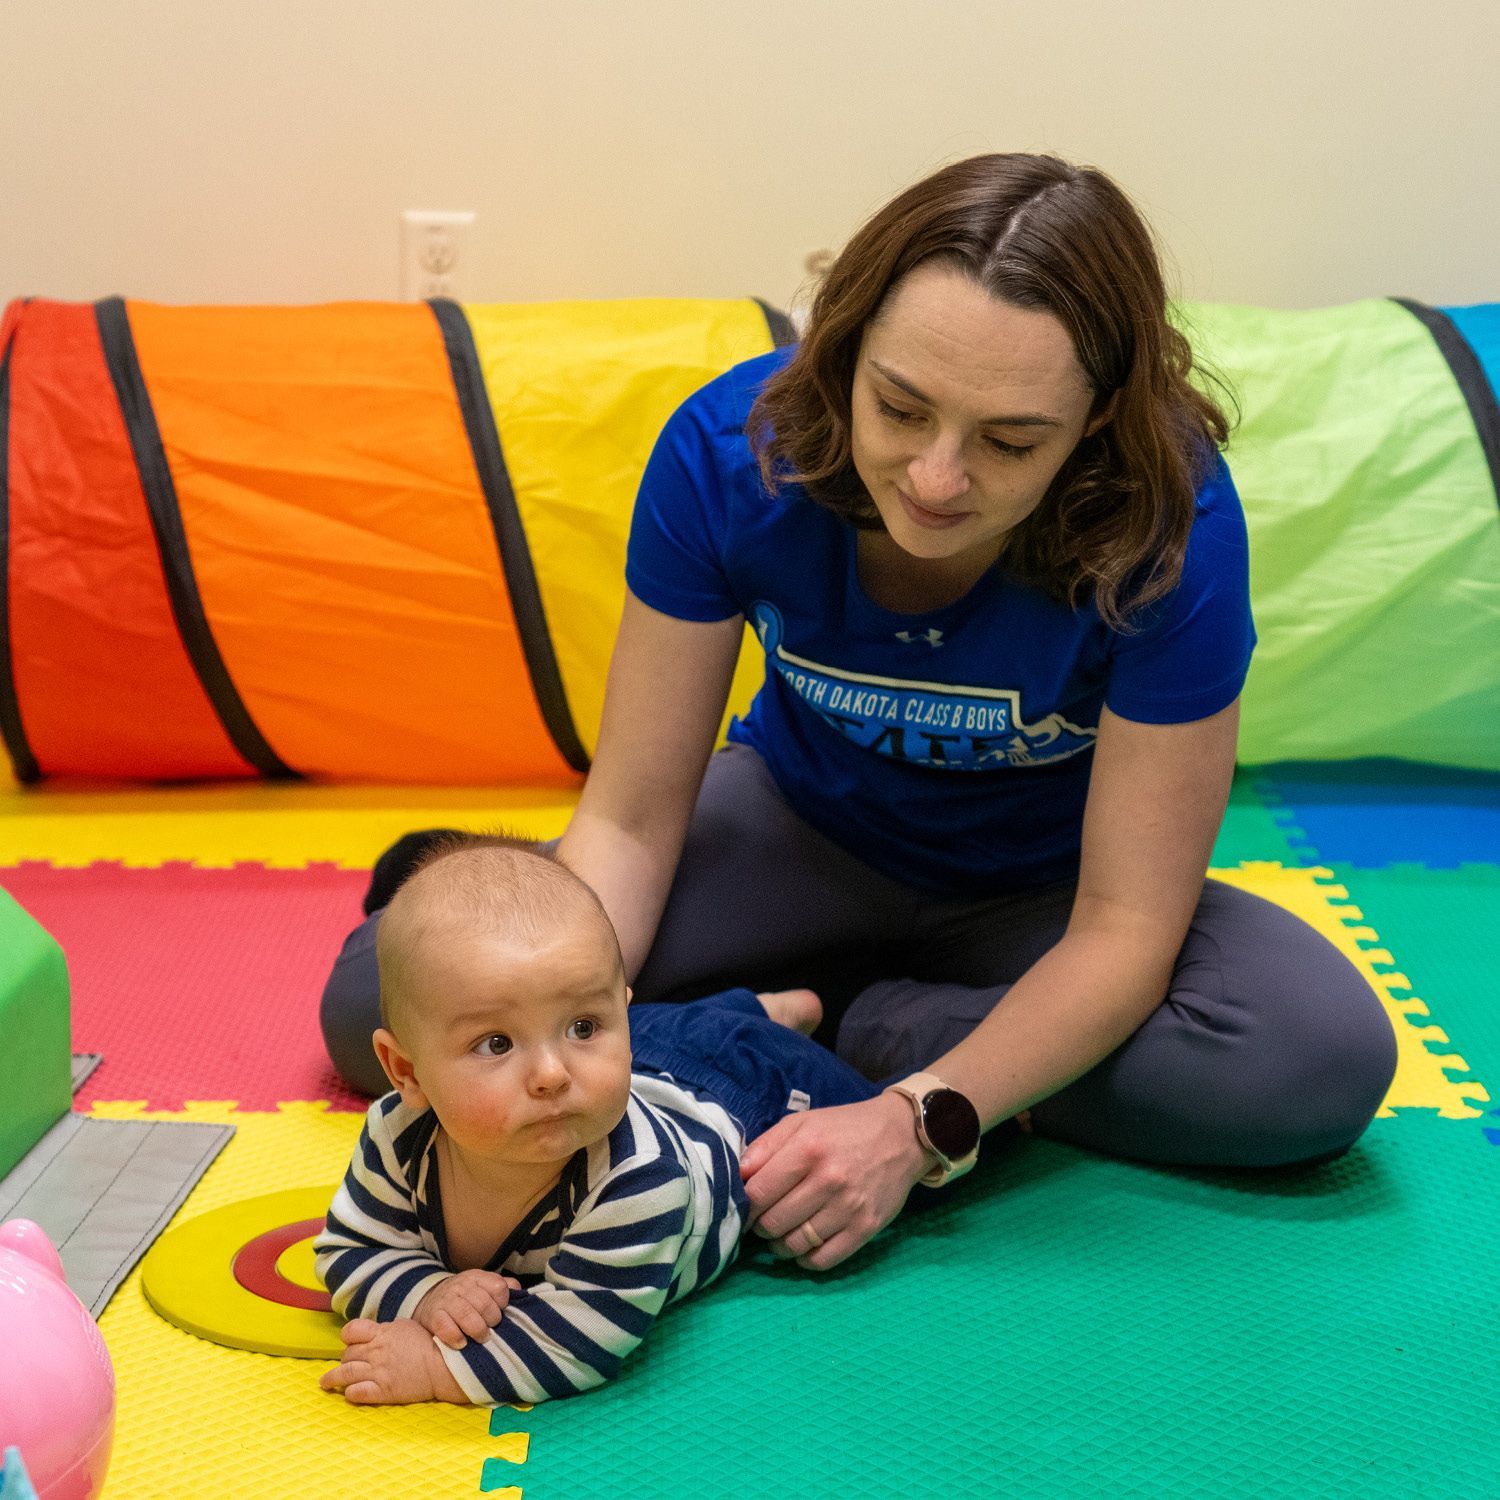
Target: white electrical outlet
(434,253)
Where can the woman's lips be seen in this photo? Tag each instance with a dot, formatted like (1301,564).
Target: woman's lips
(932,520)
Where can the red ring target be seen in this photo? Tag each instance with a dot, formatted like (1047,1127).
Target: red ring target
(256,1270)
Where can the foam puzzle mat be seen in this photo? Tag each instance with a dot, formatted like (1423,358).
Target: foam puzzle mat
(1057,1324)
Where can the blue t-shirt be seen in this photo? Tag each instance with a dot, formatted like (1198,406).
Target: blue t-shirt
(949,749)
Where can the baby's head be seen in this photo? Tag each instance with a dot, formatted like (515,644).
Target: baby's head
(503,1002)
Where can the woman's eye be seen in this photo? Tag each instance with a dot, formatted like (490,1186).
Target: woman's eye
(908,418)
(896,413)
(494,1046)
(582,1029)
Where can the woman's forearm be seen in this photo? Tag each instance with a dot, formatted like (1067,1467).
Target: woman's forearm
(1068,1012)
(668,683)
(631,875)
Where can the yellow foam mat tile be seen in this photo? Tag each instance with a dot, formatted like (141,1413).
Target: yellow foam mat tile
(284,827)
(1423,1078)
(197,1421)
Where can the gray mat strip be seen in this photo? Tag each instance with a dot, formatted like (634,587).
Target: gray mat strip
(105,1189)
(84,1063)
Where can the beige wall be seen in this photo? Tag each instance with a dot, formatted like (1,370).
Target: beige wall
(1291,154)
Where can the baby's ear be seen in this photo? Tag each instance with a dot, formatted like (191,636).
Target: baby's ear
(399,1068)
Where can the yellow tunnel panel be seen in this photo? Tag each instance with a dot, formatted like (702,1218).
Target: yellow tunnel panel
(580,391)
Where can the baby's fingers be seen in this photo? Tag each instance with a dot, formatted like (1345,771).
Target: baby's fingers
(444,1328)
(344,1375)
(476,1318)
(365,1393)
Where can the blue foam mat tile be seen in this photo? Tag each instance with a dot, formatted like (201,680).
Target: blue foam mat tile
(1370,814)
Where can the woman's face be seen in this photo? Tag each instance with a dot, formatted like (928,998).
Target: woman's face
(964,410)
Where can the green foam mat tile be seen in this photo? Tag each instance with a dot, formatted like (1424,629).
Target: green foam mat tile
(1439,926)
(1255,828)
(1065,1325)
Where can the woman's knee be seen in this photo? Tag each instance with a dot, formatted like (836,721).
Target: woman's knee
(1318,1052)
(350,1011)
(1271,1050)
(1336,1076)
(1314,1079)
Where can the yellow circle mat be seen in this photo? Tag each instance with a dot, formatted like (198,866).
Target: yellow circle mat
(188,1277)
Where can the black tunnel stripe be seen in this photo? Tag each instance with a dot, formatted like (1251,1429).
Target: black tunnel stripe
(783,332)
(172,544)
(1472,381)
(510,534)
(11,727)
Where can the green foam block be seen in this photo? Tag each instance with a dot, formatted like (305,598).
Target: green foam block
(37,1088)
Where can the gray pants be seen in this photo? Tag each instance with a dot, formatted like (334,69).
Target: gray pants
(1269,1048)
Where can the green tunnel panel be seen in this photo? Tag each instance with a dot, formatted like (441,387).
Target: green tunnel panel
(1375,536)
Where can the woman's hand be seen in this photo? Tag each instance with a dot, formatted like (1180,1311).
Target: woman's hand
(841,1173)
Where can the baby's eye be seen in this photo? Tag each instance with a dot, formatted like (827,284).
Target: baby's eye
(494,1046)
(582,1029)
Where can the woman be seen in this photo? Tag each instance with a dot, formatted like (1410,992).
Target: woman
(979,521)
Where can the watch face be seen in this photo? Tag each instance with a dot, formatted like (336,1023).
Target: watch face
(951,1122)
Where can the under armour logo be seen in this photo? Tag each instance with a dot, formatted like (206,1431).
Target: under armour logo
(934,638)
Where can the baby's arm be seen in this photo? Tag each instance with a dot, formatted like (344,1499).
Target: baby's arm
(370,1254)
(603,1288)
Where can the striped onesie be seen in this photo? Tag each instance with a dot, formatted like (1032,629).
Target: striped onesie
(635,1222)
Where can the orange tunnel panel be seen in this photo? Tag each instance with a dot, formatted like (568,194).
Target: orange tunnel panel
(340,540)
(102,680)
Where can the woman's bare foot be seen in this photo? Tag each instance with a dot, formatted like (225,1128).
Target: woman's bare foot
(801,1010)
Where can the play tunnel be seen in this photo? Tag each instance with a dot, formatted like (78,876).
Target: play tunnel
(386,541)
(1368,460)
(357,541)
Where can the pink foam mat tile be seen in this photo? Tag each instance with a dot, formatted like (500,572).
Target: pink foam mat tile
(198,983)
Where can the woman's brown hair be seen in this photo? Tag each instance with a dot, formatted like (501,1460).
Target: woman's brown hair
(1038,233)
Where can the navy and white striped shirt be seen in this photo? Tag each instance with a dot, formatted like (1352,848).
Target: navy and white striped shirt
(635,1222)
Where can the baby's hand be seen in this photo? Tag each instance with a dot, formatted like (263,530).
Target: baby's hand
(470,1303)
(391,1364)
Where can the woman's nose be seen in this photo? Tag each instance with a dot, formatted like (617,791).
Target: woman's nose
(937,475)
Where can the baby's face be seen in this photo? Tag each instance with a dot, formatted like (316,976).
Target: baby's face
(523,1051)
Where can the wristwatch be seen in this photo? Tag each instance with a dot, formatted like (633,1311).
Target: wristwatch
(947,1125)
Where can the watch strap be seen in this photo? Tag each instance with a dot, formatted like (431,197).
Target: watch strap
(916,1087)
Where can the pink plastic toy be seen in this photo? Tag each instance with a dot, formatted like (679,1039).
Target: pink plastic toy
(57,1386)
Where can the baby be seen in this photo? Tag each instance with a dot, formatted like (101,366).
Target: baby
(528,1199)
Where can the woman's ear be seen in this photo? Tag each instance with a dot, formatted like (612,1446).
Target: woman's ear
(1105,414)
(399,1068)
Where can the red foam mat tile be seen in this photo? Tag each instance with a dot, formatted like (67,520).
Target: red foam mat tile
(198,983)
